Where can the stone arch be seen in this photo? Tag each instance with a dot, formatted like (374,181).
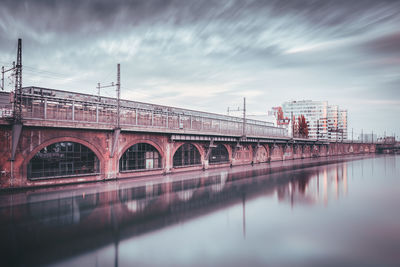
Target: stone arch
(142,141)
(262,154)
(51,141)
(298,150)
(287,149)
(322,150)
(372,148)
(276,152)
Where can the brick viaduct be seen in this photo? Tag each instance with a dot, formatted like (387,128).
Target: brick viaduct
(54,121)
(243,151)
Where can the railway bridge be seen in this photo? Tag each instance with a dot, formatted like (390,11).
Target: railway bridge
(67,137)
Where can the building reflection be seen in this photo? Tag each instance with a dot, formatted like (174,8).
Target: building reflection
(106,217)
(311,187)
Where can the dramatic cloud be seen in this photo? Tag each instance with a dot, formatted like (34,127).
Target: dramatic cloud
(209,54)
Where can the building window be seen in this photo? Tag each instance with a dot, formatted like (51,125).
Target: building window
(140,156)
(63,159)
(187,154)
(219,154)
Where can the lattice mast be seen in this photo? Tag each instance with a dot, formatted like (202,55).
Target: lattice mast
(18,85)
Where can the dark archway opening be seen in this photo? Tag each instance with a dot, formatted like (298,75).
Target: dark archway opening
(63,159)
(219,154)
(140,156)
(187,154)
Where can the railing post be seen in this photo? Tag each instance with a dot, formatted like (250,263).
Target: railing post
(152,118)
(45,109)
(97,113)
(136,116)
(167,119)
(73,110)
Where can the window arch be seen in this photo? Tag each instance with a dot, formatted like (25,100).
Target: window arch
(63,159)
(140,156)
(187,154)
(219,154)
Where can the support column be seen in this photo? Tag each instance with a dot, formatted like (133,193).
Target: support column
(168,157)
(208,149)
(116,133)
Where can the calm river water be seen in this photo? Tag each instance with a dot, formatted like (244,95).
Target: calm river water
(341,214)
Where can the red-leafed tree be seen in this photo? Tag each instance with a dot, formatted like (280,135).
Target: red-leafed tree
(302,127)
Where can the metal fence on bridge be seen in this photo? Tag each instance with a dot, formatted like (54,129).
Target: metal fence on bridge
(55,105)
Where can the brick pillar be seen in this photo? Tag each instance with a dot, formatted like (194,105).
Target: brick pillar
(168,157)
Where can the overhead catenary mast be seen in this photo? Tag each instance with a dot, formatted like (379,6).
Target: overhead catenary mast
(18,85)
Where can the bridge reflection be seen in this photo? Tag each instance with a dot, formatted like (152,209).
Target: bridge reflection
(51,226)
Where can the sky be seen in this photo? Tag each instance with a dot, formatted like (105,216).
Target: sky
(208,55)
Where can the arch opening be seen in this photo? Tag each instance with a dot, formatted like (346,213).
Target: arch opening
(140,156)
(63,159)
(187,154)
(219,154)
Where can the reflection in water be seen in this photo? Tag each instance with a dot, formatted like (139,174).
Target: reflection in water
(306,187)
(102,218)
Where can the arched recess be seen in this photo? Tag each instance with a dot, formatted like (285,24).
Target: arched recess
(262,154)
(63,157)
(186,155)
(219,154)
(140,156)
(276,150)
(306,149)
(298,150)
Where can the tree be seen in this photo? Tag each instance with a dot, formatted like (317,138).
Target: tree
(301,127)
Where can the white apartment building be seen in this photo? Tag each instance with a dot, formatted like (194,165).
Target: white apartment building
(324,121)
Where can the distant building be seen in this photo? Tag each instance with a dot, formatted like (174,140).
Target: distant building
(324,121)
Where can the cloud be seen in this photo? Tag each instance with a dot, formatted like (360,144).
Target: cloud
(209,54)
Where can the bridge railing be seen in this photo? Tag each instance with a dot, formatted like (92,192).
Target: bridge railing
(61,106)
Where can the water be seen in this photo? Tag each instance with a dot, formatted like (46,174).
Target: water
(343,214)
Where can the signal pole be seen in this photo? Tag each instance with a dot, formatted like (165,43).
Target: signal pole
(117,129)
(118,90)
(3,71)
